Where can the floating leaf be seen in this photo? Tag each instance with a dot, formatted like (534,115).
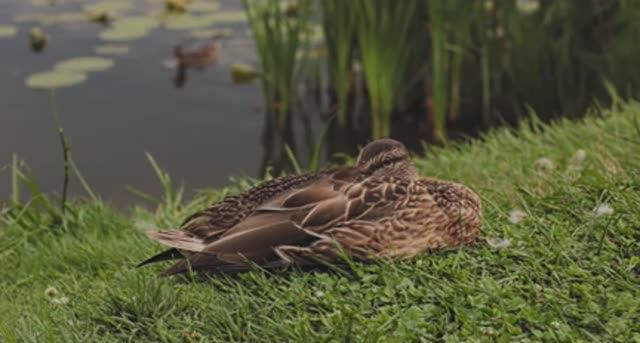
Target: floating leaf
(7,31)
(85,64)
(112,49)
(189,22)
(229,17)
(108,6)
(202,6)
(242,73)
(211,33)
(55,79)
(119,34)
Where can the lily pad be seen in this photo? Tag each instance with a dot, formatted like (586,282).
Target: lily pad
(85,64)
(112,49)
(242,73)
(108,6)
(55,79)
(189,22)
(211,33)
(121,34)
(204,6)
(7,31)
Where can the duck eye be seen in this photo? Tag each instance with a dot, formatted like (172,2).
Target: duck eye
(387,163)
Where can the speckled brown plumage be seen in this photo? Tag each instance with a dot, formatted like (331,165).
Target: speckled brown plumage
(378,209)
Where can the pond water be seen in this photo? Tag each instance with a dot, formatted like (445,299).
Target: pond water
(202,133)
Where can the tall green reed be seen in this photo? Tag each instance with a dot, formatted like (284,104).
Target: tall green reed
(278,37)
(386,32)
(450,32)
(339,35)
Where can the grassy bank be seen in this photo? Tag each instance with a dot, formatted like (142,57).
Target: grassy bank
(565,266)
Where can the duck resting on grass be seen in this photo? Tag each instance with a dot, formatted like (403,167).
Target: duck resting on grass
(380,208)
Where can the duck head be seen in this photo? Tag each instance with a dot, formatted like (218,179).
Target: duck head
(387,157)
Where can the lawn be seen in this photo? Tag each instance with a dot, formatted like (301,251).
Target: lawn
(559,259)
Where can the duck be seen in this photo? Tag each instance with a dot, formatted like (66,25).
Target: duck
(199,58)
(380,208)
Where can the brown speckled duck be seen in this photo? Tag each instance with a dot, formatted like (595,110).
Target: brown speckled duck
(379,208)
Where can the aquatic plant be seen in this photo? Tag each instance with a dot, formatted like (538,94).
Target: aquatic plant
(450,24)
(339,35)
(278,39)
(385,31)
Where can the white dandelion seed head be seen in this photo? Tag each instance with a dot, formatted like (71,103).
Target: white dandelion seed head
(579,156)
(544,164)
(603,210)
(60,301)
(498,243)
(516,216)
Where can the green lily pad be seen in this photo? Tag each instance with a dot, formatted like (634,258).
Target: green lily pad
(108,6)
(203,6)
(211,33)
(85,64)
(242,73)
(112,50)
(7,31)
(189,22)
(55,79)
(229,17)
(120,34)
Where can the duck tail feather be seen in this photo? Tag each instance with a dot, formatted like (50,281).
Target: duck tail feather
(178,239)
(171,254)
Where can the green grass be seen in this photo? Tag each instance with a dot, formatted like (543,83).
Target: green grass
(568,275)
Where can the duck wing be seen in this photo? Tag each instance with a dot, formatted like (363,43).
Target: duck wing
(206,225)
(297,218)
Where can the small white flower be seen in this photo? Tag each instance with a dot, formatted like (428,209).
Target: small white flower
(499,243)
(318,294)
(603,210)
(60,301)
(545,164)
(528,6)
(51,292)
(579,156)
(516,216)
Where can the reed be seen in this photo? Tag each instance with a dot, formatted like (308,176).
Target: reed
(385,31)
(278,36)
(339,35)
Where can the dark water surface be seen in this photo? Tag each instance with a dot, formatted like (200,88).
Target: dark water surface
(201,134)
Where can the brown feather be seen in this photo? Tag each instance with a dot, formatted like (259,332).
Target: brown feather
(378,209)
